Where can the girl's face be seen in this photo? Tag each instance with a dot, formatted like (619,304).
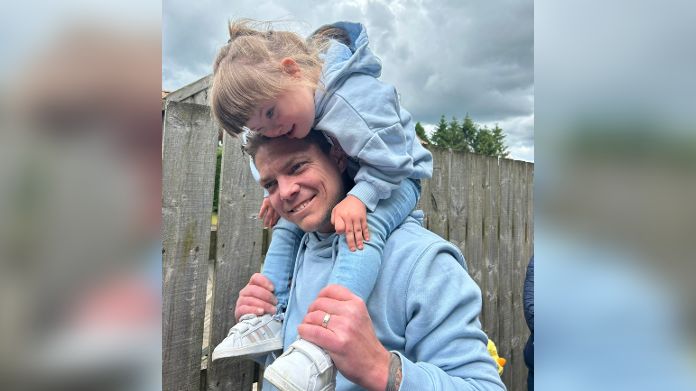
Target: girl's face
(291,113)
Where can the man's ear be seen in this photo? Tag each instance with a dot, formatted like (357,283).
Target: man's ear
(339,157)
(290,67)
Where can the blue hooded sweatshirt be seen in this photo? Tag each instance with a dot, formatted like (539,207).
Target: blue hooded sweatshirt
(424,307)
(363,113)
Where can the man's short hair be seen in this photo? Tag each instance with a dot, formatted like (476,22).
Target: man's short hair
(255,140)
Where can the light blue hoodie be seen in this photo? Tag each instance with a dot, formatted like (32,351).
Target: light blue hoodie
(363,113)
(425,307)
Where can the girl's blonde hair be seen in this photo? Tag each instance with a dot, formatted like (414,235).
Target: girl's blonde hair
(248,70)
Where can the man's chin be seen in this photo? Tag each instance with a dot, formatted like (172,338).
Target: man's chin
(308,225)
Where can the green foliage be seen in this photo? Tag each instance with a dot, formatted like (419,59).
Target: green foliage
(420,132)
(469,129)
(449,135)
(468,136)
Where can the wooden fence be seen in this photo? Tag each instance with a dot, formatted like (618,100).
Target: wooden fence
(481,204)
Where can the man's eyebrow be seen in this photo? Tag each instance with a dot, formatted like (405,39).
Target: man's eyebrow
(292,160)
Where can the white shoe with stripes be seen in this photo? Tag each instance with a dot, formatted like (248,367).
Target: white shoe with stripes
(252,336)
(303,366)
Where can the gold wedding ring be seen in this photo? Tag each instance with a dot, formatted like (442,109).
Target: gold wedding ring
(325,321)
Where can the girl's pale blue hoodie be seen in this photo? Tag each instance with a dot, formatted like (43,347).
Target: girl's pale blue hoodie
(364,114)
(425,307)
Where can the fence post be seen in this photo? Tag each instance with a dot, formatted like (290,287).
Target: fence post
(239,246)
(188,163)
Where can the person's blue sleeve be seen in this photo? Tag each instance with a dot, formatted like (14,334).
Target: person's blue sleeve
(445,339)
(370,129)
(529,295)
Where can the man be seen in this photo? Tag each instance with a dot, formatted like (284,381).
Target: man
(418,330)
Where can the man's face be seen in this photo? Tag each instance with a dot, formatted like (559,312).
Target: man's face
(304,184)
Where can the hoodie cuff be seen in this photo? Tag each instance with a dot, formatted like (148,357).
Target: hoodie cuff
(365,192)
(413,377)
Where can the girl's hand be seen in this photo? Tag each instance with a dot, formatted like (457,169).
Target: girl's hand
(268,214)
(350,217)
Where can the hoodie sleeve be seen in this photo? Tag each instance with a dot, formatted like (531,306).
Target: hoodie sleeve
(445,343)
(529,295)
(365,117)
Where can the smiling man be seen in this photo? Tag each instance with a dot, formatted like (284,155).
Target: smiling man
(418,330)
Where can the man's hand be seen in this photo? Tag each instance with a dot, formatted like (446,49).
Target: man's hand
(350,217)
(256,297)
(268,214)
(349,337)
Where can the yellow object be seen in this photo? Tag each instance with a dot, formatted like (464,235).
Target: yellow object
(499,361)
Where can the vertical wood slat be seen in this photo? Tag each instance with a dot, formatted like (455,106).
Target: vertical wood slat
(187,199)
(239,246)
(522,250)
(505,254)
(491,264)
(435,202)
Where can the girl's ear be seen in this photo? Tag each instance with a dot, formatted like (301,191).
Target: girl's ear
(290,67)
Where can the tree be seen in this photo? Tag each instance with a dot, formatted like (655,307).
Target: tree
(449,135)
(468,136)
(484,143)
(490,142)
(469,131)
(440,135)
(456,137)
(499,137)
(420,132)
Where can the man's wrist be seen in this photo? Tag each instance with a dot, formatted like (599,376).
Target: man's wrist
(394,374)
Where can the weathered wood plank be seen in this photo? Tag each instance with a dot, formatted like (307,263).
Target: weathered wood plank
(239,240)
(505,254)
(491,264)
(521,249)
(202,84)
(436,201)
(187,199)
(473,198)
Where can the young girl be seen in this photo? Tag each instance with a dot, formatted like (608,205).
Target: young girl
(276,83)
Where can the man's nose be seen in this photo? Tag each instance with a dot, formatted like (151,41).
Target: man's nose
(287,188)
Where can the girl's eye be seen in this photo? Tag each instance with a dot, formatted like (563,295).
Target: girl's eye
(269,113)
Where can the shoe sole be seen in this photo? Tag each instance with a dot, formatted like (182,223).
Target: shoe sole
(278,380)
(248,352)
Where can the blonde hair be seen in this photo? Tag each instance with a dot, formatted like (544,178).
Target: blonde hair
(248,70)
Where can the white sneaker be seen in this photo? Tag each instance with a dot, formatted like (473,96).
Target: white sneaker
(303,367)
(252,336)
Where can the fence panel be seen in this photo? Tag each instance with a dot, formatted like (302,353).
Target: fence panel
(188,161)
(239,247)
(483,205)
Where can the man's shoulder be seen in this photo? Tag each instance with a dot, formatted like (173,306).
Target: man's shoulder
(412,243)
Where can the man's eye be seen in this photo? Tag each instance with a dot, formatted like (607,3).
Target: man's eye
(296,167)
(269,113)
(269,185)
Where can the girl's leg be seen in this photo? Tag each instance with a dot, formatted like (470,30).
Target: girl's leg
(358,270)
(280,259)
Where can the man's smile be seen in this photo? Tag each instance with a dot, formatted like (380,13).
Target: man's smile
(302,206)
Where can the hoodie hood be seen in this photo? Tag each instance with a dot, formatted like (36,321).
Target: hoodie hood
(341,61)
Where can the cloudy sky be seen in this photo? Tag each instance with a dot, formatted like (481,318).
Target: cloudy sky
(445,57)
